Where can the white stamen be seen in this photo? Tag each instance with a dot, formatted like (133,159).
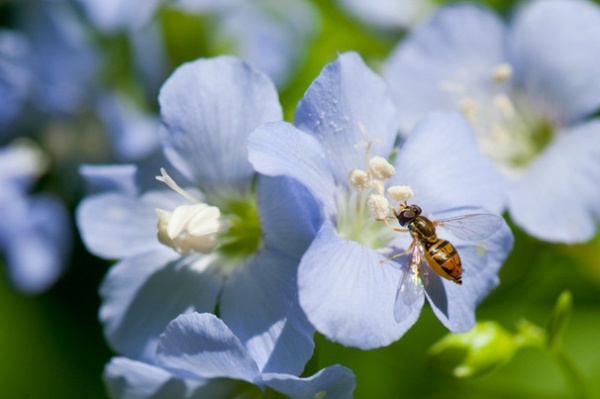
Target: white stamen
(503,103)
(378,206)
(400,193)
(190,227)
(380,168)
(502,73)
(165,178)
(378,186)
(359,180)
(468,107)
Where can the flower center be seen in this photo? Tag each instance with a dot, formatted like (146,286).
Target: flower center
(232,229)
(362,208)
(508,128)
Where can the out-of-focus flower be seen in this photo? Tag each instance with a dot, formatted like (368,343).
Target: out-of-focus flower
(388,14)
(48,63)
(35,234)
(347,284)
(226,236)
(133,133)
(199,356)
(528,90)
(272,34)
(15,76)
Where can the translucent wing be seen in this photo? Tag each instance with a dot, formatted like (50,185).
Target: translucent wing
(414,275)
(472,227)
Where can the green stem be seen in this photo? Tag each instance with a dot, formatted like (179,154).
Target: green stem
(573,376)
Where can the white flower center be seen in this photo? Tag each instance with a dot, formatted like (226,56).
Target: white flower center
(189,227)
(508,129)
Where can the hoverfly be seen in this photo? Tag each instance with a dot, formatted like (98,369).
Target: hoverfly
(429,252)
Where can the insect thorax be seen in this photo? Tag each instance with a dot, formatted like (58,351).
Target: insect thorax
(423,228)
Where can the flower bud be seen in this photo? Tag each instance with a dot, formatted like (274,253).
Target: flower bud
(476,352)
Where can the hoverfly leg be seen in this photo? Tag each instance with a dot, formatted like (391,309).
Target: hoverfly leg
(390,226)
(410,247)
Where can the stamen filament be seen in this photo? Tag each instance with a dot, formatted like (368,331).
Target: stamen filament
(168,180)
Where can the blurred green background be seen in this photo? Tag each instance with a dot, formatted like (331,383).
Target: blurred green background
(51,345)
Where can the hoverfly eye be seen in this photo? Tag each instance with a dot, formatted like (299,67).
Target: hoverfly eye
(416,209)
(408,214)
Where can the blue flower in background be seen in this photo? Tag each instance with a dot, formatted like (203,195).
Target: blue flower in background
(15,76)
(48,61)
(528,90)
(346,290)
(272,34)
(199,356)
(133,132)
(226,236)
(35,234)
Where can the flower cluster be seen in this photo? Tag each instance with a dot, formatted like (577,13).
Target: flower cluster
(234,235)
(529,93)
(281,236)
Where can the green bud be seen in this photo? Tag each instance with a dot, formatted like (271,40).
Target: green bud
(474,353)
(559,319)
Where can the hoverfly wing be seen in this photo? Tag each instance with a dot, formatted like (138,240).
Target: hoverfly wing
(410,287)
(473,227)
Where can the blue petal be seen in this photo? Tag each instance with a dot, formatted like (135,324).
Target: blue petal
(555,46)
(110,178)
(348,293)
(65,60)
(130,379)
(208,109)
(345,95)
(115,225)
(202,345)
(15,74)
(141,295)
(36,238)
(441,162)
(260,305)
(114,15)
(556,199)
(279,149)
(334,382)
(455,304)
(289,215)
(460,45)
(134,134)
(149,55)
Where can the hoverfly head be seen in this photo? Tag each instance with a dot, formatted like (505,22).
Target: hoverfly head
(407,214)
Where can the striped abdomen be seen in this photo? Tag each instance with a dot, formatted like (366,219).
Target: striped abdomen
(444,260)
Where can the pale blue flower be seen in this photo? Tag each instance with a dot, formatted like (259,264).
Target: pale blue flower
(346,288)
(226,237)
(200,357)
(35,235)
(529,90)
